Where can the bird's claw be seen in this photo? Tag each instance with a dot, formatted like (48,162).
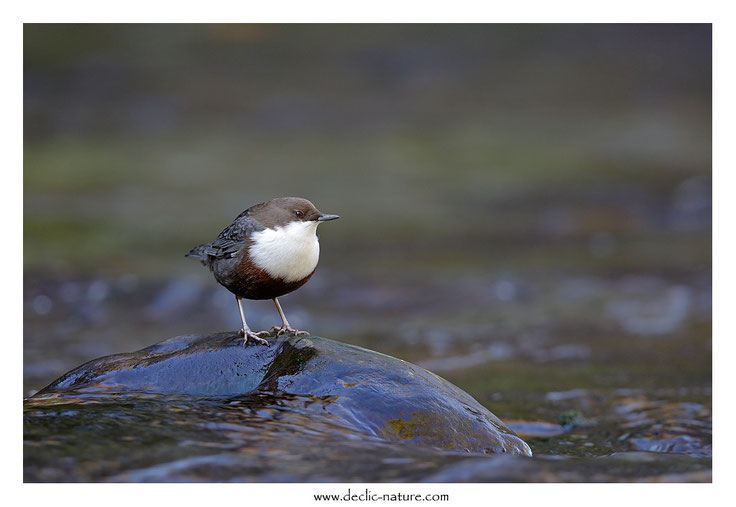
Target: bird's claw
(251,336)
(287,329)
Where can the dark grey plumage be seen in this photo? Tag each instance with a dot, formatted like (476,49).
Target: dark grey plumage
(229,242)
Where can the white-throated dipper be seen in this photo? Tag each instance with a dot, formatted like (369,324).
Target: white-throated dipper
(270,249)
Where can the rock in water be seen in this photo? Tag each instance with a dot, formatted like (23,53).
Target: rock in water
(356,388)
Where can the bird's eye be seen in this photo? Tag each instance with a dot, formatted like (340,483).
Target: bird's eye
(299,213)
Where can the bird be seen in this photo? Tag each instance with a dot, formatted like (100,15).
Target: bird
(269,250)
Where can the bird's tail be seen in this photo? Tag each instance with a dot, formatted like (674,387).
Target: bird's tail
(197,252)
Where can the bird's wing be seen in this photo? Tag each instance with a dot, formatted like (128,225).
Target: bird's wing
(232,238)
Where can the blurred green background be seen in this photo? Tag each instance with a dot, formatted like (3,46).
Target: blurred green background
(436,143)
(526,209)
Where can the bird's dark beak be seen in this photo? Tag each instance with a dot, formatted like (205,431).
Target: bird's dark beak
(325,218)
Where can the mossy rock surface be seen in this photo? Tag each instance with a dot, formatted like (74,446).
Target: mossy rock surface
(340,384)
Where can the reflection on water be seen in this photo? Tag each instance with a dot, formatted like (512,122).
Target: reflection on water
(154,438)
(563,383)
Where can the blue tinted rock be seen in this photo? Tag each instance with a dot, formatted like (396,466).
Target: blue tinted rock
(364,391)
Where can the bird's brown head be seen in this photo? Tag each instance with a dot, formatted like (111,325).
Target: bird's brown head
(282,211)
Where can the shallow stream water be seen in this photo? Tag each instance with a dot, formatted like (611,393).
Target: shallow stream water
(525,211)
(603,405)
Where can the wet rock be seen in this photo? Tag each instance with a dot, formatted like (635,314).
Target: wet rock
(340,384)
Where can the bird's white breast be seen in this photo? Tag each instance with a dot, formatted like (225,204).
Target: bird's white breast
(290,252)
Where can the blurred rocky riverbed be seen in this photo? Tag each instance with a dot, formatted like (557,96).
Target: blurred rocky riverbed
(526,211)
(582,368)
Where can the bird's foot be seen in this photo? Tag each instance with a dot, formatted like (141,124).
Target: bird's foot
(286,330)
(255,337)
